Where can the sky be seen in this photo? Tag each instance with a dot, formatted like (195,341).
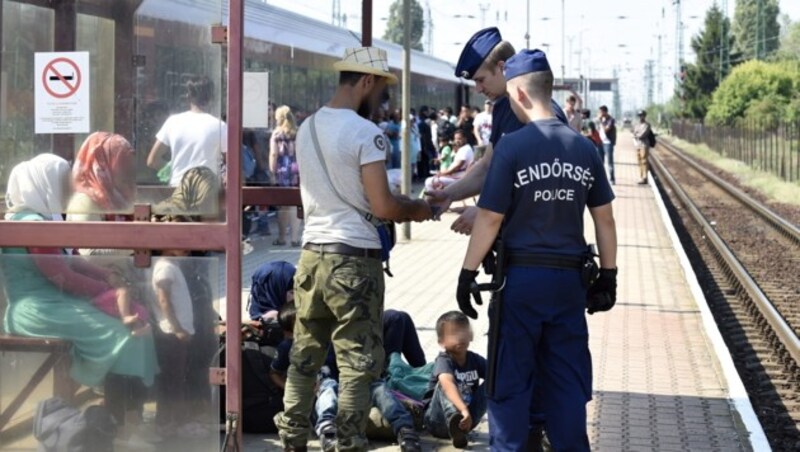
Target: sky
(599,35)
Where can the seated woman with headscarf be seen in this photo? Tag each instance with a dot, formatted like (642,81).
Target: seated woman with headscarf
(272,287)
(104,178)
(50,297)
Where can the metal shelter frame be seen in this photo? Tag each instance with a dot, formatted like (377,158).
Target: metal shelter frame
(143,235)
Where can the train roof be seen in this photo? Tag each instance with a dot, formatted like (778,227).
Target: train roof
(276,25)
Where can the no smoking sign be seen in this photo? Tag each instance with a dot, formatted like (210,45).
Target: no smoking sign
(62,92)
(61,78)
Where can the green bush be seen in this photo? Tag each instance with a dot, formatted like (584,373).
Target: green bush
(756,88)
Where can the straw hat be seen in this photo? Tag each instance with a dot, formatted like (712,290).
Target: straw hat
(366,60)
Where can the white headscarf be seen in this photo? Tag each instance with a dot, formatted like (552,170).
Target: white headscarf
(37,185)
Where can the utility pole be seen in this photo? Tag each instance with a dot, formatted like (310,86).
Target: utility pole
(405,165)
(759,28)
(723,39)
(336,13)
(483,7)
(617,98)
(648,71)
(563,46)
(528,25)
(679,36)
(429,32)
(659,70)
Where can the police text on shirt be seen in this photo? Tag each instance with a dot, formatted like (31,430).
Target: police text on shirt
(556,169)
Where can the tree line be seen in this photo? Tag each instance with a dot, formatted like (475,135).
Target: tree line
(748,69)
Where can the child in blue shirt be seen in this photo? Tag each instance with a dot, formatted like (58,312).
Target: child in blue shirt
(456,399)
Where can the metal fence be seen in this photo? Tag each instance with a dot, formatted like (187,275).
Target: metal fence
(765,146)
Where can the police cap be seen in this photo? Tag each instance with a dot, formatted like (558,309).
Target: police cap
(476,50)
(526,62)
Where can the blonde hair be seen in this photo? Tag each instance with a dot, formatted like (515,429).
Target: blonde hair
(501,52)
(285,120)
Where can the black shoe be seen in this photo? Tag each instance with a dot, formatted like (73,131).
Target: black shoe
(535,437)
(458,436)
(327,440)
(408,439)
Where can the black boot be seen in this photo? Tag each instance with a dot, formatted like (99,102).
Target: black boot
(535,438)
(408,439)
(458,436)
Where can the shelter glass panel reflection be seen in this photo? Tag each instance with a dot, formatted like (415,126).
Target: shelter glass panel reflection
(82,332)
(129,93)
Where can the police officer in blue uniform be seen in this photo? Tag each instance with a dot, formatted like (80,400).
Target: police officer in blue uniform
(541,179)
(482,61)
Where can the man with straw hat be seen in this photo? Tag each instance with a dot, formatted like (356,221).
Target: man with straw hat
(339,284)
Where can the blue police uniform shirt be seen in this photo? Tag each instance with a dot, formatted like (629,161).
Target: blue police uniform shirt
(542,177)
(505,121)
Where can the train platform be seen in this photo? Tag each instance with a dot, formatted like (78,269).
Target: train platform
(663,379)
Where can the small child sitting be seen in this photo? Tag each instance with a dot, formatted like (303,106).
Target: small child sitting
(456,399)
(118,302)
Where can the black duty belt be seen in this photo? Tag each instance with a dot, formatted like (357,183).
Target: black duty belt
(547,260)
(341,248)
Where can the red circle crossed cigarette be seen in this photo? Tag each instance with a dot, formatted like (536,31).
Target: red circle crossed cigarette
(71,81)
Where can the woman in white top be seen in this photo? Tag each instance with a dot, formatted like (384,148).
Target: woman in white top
(194,138)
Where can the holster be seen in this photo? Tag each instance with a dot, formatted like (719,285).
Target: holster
(590,269)
(495,311)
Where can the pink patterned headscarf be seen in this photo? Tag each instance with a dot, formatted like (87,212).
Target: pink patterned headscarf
(104,170)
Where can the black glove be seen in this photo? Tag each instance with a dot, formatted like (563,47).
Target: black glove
(466,287)
(602,294)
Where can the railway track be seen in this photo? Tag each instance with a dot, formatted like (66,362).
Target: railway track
(747,259)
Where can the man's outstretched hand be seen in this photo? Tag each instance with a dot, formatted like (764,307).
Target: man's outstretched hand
(438,200)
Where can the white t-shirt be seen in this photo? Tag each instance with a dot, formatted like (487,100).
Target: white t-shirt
(574,119)
(165,270)
(348,142)
(195,139)
(464,154)
(483,122)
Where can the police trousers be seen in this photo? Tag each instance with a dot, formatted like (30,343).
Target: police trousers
(543,344)
(339,300)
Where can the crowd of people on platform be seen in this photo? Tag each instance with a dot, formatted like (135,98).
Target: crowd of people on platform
(435,136)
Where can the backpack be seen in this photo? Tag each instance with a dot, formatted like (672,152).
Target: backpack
(651,139)
(261,399)
(408,380)
(60,427)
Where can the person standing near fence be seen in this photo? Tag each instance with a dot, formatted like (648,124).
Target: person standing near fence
(643,139)
(339,285)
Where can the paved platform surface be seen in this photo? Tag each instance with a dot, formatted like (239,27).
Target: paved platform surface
(657,380)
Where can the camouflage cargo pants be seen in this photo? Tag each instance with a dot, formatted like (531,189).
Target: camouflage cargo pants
(340,300)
